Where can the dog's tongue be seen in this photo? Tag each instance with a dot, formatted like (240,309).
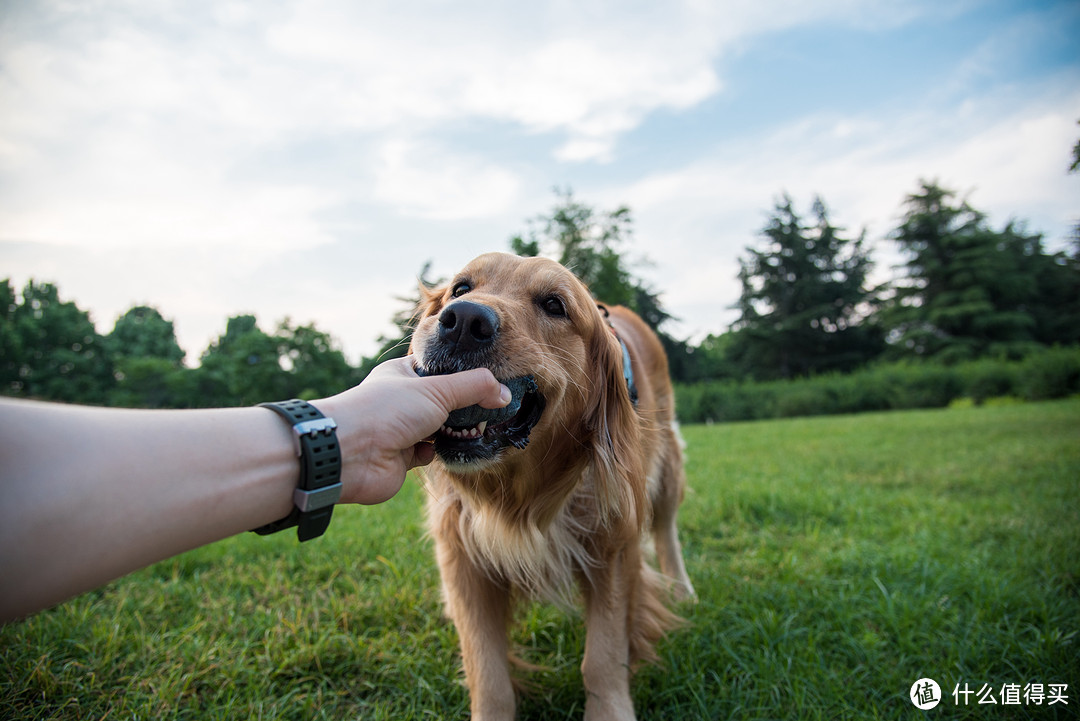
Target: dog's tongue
(475,414)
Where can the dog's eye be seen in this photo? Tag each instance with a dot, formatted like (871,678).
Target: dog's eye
(460,289)
(553,306)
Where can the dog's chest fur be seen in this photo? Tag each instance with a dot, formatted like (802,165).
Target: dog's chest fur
(542,563)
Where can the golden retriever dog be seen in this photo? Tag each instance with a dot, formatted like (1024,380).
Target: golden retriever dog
(556,491)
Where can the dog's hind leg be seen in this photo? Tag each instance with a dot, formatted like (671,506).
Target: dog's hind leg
(667,496)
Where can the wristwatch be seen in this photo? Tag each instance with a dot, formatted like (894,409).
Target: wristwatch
(320,470)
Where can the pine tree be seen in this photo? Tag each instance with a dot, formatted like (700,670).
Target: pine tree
(804,303)
(972,291)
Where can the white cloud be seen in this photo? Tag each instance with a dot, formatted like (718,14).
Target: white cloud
(125,125)
(583,149)
(586,72)
(429,182)
(127,190)
(595,88)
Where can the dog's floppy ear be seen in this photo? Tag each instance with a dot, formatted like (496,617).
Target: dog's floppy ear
(617,464)
(430,303)
(431,300)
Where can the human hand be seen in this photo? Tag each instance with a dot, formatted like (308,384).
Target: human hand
(383,422)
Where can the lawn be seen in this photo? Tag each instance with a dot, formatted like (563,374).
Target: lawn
(838,560)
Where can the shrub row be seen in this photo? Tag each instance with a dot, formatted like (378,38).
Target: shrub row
(1046,374)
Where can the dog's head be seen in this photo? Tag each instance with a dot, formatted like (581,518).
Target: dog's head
(527,317)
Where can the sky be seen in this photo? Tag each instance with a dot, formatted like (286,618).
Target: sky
(300,159)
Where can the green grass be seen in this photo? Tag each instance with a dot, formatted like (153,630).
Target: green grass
(837,559)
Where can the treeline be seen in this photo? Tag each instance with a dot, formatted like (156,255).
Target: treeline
(50,349)
(965,291)
(970,302)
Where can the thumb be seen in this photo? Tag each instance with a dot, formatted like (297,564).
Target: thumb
(471,387)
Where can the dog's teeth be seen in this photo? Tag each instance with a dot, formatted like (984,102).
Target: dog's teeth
(464,433)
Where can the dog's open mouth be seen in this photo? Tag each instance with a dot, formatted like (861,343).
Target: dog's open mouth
(476,434)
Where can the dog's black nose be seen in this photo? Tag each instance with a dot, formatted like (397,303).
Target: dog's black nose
(468,326)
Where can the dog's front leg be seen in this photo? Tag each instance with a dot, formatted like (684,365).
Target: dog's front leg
(606,667)
(480,609)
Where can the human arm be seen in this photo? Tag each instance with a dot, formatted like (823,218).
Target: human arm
(89,494)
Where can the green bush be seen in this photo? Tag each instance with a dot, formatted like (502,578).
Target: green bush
(985,379)
(860,392)
(1049,373)
(921,385)
(718,402)
(813,397)
(1054,373)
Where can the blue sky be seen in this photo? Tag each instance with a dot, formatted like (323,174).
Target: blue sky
(305,159)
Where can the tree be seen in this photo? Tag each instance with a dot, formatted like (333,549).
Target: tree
(315,365)
(242,367)
(149,382)
(972,291)
(142,332)
(804,303)
(711,359)
(1071,259)
(1042,285)
(51,349)
(1075,156)
(148,362)
(11,350)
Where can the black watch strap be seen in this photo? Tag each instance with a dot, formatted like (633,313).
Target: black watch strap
(320,470)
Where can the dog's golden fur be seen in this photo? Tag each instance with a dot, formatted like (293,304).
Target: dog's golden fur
(571,508)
